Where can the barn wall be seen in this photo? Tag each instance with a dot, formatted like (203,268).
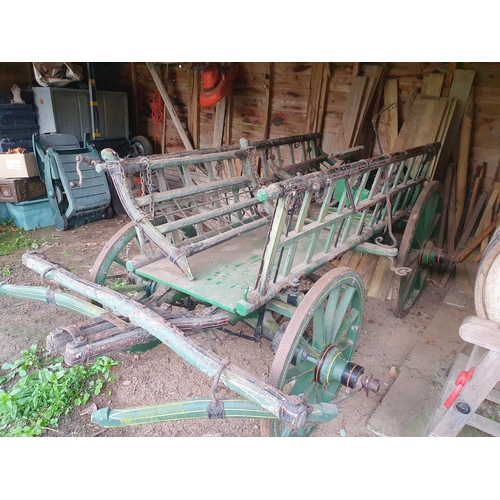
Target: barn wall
(288,86)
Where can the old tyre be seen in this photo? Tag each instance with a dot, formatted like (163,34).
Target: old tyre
(326,321)
(141,146)
(422,227)
(486,289)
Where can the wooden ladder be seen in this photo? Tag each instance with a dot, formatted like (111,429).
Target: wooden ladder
(471,381)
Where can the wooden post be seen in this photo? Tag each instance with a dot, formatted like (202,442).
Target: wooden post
(170,107)
(220,113)
(391,115)
(448,79)
(317,95)
(229,119)
(268,98)
(193,107)
(463,156)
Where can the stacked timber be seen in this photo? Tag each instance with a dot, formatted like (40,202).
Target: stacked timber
(441,112)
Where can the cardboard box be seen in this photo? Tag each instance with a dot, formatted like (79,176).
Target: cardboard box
(16,190)
(15,166)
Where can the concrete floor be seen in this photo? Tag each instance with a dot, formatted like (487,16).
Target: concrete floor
(408,405)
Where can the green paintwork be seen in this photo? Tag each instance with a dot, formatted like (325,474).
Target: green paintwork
(62,300)
(332,318)
(179,410)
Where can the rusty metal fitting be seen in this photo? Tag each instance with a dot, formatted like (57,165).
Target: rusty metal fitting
(369,384)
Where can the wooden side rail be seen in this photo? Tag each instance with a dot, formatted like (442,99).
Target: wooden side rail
(311,225)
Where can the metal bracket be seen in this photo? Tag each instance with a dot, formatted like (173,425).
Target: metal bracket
(215,410)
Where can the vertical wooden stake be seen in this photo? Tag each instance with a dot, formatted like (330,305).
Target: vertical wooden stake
(268,99)
(219,122)
(463,156)
(193,108)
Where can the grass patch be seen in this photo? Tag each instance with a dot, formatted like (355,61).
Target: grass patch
(13,238)
(41,390)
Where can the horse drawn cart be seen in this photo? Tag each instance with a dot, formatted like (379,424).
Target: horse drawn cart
(244,234)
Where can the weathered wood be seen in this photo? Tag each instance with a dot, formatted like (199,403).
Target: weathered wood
(317,94)
(433,84)
(354,101)
(193,106)
(475,189)
(472,221)
(268,99)
(170,107)
(381,280)
(447,188)
(487,217)
(391,115)
(460,90)
(450,239)
(449,79)
(485,376)
(220,113)
(374,74)
(442,135)
(463,157)
(476,241)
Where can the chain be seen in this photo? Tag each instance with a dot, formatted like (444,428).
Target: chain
(147,185)
(253,162)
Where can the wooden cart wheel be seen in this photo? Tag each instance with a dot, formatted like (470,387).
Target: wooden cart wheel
(328,317)
(487,289)
(422,228)
(111,261)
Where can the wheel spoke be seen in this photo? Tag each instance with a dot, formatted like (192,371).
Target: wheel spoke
(304,344)
(303,385)
(318,340)
(300,370)
(344,303)
(346,325)
(331,308)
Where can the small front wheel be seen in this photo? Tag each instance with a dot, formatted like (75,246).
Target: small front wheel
(313,357)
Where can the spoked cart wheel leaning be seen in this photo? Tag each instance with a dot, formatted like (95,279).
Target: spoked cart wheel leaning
(313,357)
(417,250)
(110,264)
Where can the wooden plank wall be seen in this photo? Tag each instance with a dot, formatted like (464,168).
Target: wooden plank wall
(289,88)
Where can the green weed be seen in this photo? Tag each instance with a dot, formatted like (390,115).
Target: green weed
(45,390)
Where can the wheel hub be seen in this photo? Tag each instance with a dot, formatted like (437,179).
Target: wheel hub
(431,254)
(332,367)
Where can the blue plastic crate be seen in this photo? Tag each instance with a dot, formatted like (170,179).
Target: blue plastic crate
(4,213)
(31,214)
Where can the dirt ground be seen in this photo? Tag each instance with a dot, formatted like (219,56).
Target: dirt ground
(159,375)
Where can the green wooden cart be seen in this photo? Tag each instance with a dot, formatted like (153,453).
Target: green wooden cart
(246,235)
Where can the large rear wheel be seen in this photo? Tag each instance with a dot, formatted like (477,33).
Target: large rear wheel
(417,250)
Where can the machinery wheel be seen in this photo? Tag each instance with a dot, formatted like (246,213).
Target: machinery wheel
(111,261)
(422,231)
(318,343)
(141,146)
(61,223)
(109,212)
(486,290)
